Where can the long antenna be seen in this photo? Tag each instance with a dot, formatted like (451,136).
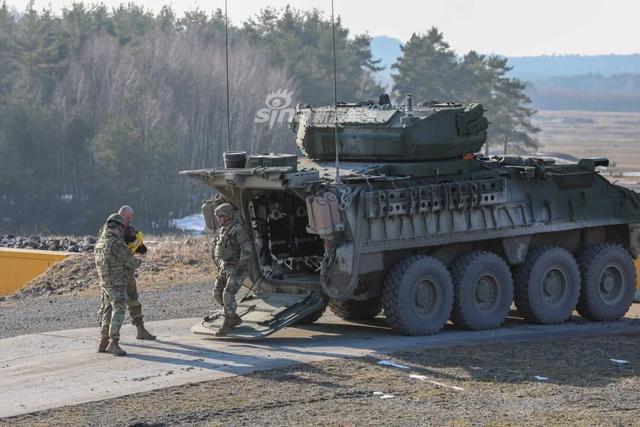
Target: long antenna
(226,57)
(335,94)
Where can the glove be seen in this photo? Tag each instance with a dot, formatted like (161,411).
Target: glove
(142,249)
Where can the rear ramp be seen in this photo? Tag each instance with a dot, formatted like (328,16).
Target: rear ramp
(264,314)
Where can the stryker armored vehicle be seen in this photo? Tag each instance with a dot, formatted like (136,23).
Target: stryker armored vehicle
(416,222)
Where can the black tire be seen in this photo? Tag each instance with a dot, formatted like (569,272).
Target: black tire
(608,282)
(313,317)
(357,310)
(417,296)
(547,285)
(483,290)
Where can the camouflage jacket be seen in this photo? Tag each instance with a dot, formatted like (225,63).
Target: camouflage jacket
(129,238)
(113,260)
(231,244)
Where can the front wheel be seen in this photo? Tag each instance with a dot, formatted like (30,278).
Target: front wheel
(418,296)
(608,282)
(547,285)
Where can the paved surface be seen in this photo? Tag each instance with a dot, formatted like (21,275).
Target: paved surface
(52,369)
(58,312)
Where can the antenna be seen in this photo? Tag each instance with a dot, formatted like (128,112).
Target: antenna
(226,58)
(335,95)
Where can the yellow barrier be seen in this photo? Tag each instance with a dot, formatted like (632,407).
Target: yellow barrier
(19,266)
(637,299)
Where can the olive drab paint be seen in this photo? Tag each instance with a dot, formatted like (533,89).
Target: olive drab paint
(415,197)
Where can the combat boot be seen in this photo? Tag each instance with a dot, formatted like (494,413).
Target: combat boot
(235,320)
(143,334)
(104,340)
(102,347)
(115,349)
(227,326)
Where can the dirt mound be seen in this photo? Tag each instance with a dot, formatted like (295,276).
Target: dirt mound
(168,261)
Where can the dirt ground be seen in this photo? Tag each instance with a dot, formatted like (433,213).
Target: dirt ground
(493,384)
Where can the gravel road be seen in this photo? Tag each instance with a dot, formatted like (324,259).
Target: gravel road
(71,311)
(495,384)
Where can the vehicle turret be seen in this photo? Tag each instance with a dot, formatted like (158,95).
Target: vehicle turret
(368,131)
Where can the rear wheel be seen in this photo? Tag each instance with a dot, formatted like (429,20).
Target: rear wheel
(418,295)
(357,310)
(547,285)
(608,282)
(313,317)
(483,289)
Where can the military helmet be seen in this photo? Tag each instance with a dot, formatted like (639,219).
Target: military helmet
(116,218)
(225,209)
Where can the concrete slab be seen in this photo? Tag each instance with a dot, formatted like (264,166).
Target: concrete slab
(49,370)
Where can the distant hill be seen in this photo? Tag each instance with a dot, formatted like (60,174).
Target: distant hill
(532,68)
(555,82)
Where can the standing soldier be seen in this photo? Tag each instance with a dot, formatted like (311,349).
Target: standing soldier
(133,239)
(113,259)
(231,253)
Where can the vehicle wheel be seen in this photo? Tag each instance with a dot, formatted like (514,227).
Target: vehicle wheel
(417,296)
(547,285)
(483,290)
(608,282)
(357,310)
(311,318)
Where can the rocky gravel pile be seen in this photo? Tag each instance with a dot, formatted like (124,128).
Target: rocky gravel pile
(67,244)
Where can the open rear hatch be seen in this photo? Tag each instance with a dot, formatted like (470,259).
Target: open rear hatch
(264,314)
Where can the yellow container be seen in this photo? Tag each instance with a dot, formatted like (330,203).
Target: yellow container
(19,266)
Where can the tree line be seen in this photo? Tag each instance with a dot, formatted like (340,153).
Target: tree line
(100,107)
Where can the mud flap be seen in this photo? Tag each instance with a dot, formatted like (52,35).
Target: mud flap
(264,314)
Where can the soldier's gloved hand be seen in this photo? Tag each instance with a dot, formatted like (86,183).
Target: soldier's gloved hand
(142,249)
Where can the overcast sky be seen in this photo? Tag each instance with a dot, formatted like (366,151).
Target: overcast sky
(507,27)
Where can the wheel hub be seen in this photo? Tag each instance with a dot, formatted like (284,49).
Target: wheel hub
(554,286)
(426,296)
(611,284)
(486,293)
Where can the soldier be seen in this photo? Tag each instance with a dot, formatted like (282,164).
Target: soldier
(133,239)
(113,259)
(231,253)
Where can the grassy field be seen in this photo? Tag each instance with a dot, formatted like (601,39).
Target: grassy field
(593,134)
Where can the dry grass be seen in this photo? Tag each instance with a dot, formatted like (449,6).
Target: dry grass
(592,134)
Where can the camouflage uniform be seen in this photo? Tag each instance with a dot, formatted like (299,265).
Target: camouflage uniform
(231,253)
(133,302)
(114,261)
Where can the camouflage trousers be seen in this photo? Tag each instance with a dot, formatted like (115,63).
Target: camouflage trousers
(227,284)
(114,303)
(133,303)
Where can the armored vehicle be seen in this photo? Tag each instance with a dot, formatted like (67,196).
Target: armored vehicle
(413,220)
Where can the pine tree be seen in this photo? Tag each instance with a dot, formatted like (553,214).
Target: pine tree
(431,71)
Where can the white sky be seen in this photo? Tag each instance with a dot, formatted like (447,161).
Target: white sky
(507,27)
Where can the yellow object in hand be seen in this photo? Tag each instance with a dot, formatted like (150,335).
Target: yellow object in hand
(133,246)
